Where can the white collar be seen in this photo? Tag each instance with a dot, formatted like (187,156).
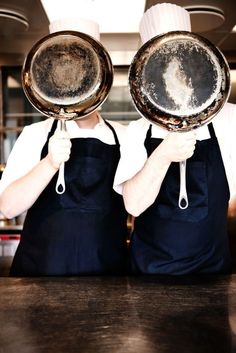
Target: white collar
(202,133)
(72,125)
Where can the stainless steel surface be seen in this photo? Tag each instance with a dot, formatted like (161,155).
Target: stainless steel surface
(179,80)
(67,75)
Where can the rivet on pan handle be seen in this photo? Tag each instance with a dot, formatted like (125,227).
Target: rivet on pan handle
(60,185)
(183,197)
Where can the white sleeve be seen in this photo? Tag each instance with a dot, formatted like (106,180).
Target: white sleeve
(133,154)
(231,152)
(225,126)
(25,153)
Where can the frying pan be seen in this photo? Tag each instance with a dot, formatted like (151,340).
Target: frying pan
(67,75)
(179,81)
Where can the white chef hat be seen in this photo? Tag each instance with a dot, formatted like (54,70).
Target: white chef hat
(86,26)
(163,18)
(65,16)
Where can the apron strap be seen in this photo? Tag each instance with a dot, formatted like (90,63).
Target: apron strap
(53,129)
(210,127)
(113,131)
(54,126)
(211,130)
(148,136)
(44,150)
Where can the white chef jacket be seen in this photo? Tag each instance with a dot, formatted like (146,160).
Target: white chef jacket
(134,155)
(26,151)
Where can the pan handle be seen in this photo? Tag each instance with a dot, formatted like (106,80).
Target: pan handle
(60,185)
(183,197)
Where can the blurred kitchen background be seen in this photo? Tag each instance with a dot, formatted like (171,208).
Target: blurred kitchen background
(24,22)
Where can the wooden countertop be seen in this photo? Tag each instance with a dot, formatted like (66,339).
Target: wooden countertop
(143,314)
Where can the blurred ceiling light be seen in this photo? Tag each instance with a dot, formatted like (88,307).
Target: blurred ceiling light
(233,76)
(112,16)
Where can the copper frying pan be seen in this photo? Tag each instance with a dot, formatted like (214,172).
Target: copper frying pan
(179,81)
(67,75)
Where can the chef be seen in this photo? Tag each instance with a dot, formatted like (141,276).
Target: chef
(83,230)
(167,239)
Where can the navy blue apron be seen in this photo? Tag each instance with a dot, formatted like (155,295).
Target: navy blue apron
(83,230)
(170,240)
